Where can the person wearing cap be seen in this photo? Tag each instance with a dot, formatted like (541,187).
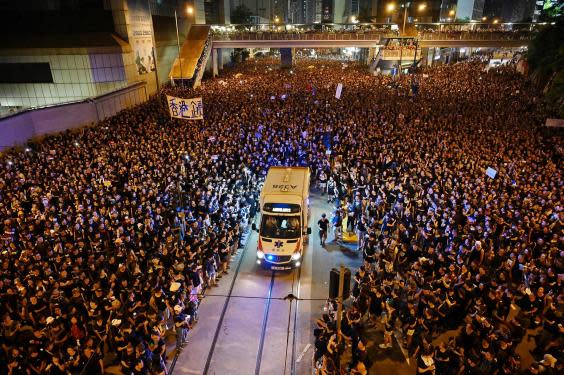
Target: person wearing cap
(323,225)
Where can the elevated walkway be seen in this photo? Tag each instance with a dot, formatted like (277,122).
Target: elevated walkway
(298,40)
(190,52)
(474,39)
(351,40)
(371,35)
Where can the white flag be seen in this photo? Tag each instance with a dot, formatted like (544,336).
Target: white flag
(339,90)
(491,172)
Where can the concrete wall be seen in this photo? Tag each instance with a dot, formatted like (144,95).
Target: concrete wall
(199,12)
(166,54)
(75,76)
(18,129)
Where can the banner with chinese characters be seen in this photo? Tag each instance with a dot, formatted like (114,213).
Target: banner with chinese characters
(187,109)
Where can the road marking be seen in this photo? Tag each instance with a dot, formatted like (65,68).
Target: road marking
(224,310)
(264,324)
(303,353)
(188,371)
(403,351)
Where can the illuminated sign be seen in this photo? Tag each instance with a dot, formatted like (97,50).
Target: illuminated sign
(281,209)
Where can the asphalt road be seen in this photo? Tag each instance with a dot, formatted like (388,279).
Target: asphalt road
(247,327)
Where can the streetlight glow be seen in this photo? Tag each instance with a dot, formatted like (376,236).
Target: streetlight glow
(390,7)
(451,12)
(495,21)
(190,9)
(484,18)
(422,7)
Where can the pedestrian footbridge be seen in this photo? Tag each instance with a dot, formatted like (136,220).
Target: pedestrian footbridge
(204,41)
(371,35)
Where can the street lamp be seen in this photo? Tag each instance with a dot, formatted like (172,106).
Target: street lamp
(178,46)
(189,11)
(390,8)
(276,19)
(420,8)
(495,21)
(484,19)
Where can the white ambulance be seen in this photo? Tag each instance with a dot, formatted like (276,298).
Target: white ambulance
(283,230)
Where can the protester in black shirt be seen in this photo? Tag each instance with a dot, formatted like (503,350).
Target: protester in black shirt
(323,225)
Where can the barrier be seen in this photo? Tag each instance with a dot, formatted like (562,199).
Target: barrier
(19,128)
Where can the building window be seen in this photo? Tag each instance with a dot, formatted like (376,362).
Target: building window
(25,73)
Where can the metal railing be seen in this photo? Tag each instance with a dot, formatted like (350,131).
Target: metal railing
(22,109)
(374,32)
(202,61)
(476,35)
(375,36)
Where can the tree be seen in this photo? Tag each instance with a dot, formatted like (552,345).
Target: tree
(552,9)
(241,15)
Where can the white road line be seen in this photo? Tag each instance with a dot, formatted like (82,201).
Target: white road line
(303,353)
(188,371)
(403,351)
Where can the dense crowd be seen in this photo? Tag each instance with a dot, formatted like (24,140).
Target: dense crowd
(479,34)
(109,237)
(111,234)
(444,244)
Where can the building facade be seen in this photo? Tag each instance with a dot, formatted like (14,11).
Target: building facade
(469,10)
(63,51)
(514,11)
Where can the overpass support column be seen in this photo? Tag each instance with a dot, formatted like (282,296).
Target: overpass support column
(215,72)
(220,58)
(425,56)
(286,55)
(371,54)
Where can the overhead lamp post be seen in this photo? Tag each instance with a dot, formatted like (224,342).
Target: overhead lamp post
(189,11)
(390,7)
(178,46)
(420,8)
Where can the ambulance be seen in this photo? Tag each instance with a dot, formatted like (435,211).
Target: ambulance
(283,228)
